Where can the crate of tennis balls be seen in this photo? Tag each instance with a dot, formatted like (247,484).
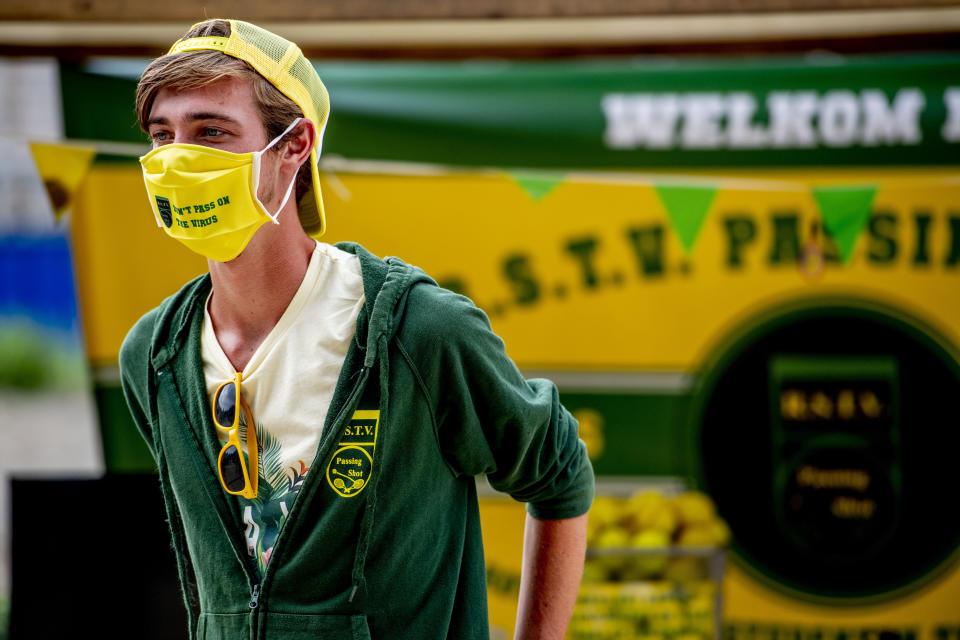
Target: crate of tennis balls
(653,570)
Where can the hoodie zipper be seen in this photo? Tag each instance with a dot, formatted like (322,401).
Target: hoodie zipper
(334,425)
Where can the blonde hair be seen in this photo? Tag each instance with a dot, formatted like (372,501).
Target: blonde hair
(194,69)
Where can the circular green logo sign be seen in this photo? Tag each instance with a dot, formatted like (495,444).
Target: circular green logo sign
(824,434)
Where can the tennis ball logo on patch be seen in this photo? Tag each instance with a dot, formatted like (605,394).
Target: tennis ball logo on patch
(163,206)
(349,470)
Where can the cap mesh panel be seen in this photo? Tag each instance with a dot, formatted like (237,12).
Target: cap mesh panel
(268,54)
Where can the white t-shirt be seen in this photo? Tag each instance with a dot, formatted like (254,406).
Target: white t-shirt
(289,383)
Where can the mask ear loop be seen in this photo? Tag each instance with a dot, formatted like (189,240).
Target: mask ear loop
(256,172)
(280,137)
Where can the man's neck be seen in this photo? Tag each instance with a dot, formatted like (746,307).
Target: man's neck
(251,292)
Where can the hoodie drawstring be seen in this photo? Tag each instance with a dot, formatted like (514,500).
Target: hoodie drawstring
(366,524)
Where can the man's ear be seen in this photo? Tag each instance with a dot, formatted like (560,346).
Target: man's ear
(299,142)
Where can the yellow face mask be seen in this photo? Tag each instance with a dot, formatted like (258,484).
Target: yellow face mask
(207,198)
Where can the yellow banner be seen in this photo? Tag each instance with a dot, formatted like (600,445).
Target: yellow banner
(591,275)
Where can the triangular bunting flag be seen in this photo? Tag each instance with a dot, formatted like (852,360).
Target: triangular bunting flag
(845,212)
(687,208)
(537,185)
(62,169)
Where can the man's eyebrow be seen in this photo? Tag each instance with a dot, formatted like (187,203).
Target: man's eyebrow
(193,117)
(209,115)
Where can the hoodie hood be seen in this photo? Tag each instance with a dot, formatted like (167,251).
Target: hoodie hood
(386,283)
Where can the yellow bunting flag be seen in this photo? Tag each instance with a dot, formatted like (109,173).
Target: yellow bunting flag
(62,169)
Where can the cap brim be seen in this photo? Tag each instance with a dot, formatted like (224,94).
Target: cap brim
(310,209)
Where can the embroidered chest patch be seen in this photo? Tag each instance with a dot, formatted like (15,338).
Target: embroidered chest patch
(349,470)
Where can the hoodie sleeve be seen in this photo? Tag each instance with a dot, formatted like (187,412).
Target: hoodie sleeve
(489,419)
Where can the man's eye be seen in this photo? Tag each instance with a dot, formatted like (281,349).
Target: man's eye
(210,132)
(159,136)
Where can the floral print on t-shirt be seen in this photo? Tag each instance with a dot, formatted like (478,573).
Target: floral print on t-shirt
(277,489)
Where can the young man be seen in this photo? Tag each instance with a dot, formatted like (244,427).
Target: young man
(350,509)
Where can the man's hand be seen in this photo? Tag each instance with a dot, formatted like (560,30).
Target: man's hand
(553,555)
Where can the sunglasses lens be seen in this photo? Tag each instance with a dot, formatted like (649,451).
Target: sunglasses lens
(230,469)
(225,405)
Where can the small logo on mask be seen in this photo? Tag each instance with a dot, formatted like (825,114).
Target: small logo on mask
(163,206)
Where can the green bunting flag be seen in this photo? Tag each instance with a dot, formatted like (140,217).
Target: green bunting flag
(845,212)
(537,185)
(687,208)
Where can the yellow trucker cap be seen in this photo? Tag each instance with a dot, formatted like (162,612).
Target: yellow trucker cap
(283,65)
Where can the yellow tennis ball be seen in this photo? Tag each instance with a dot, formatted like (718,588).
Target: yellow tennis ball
(604,514)
(606,511)
(650,539)
(647,566)
(701,612)
(594,571)
(612,538)
(721,532)
(651,511)
(701,535)
(668,618)
(686,569)
(694,507)
(591,431)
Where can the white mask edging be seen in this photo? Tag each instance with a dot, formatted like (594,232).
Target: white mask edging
(256,175)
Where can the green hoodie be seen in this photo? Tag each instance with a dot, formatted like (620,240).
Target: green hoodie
(397,553)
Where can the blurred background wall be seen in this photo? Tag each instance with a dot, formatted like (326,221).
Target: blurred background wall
(47,415)
(728,231)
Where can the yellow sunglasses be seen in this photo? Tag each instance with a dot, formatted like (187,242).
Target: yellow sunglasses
(235,476)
